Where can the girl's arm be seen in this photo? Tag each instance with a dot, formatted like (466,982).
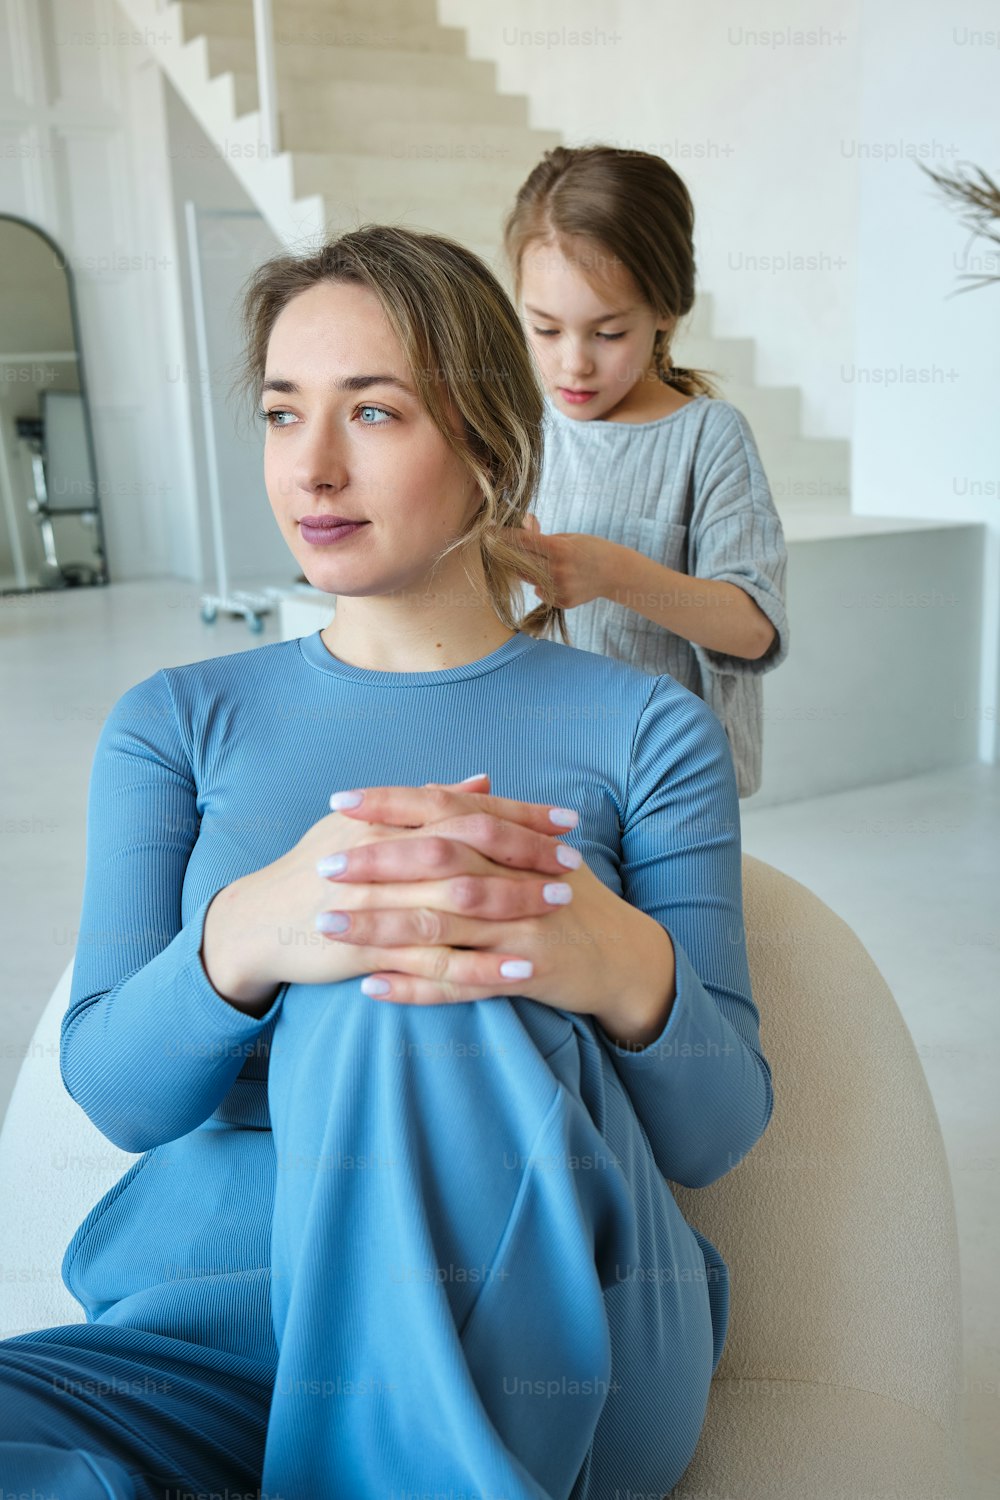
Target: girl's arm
(736,537)
(719,616)
(731,603)
(702,1090)
(148,1048)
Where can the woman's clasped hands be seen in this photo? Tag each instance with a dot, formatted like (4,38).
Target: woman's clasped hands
(455,894)
(439,894)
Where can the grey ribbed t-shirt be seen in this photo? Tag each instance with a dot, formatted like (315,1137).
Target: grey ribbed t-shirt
(688,490)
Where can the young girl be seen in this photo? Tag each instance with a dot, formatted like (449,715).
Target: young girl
(662,537)
(409,1078)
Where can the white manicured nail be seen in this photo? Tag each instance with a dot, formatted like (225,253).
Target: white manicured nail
(557,892)
(332,921)
(517,968)
(345,799)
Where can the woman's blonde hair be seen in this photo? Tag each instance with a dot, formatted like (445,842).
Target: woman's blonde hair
(627,206)
(466,351)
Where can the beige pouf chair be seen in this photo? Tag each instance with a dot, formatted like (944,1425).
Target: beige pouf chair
(841,1374)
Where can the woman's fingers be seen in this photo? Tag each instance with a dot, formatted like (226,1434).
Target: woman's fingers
(414,806)
(471,844)
(424,927)
(435,976)
(493,898)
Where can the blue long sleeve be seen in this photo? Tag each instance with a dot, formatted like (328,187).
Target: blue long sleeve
(148,1048)
(207,772)
(703,1090)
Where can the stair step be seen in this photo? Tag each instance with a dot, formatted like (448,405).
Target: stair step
(698,324)
(299,11)
(352,102)
(479,228)
(460,180)
(491,253)
(806,472)
(728,359)
(321,27)
(803,495)
(323,64)
(772,409)
(447,141)
(826,452)
(797,499)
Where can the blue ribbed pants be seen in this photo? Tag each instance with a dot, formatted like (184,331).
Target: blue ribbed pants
(481,1287)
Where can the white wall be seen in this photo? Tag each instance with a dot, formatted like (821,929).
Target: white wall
(926,438)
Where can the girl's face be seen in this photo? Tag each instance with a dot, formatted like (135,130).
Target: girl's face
(593,348)
(348,438)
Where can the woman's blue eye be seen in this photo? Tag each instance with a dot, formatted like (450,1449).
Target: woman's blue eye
(545,332)
(271,417)
(611,336)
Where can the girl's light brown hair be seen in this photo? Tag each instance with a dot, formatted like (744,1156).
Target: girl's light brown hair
(625,206)
(467,355)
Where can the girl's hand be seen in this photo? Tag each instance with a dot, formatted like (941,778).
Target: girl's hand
(578,563)
(595,954)
(260,932)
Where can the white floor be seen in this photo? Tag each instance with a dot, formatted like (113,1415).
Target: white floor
(913,867)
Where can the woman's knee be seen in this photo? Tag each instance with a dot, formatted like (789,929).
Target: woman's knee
(336,1051)
(436,1109)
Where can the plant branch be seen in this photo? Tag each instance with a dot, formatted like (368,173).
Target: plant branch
(977,198)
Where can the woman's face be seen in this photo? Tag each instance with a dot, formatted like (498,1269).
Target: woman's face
(597,343)
(348,438)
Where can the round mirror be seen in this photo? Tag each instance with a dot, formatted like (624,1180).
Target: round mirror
(50,532)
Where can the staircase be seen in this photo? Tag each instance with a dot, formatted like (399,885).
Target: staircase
(381,115)
(384,116)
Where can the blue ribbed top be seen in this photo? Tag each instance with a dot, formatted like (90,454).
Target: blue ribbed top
(206,772)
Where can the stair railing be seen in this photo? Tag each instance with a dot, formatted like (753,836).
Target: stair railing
(267,77)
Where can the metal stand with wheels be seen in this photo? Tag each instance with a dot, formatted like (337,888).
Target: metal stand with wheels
(252,606)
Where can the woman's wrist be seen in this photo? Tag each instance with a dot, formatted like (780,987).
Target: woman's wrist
(645,993)
(227,958)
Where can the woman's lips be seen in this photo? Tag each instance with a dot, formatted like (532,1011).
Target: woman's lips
(576,397)
(321,534)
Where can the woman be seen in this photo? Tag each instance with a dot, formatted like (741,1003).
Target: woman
(423,1243)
